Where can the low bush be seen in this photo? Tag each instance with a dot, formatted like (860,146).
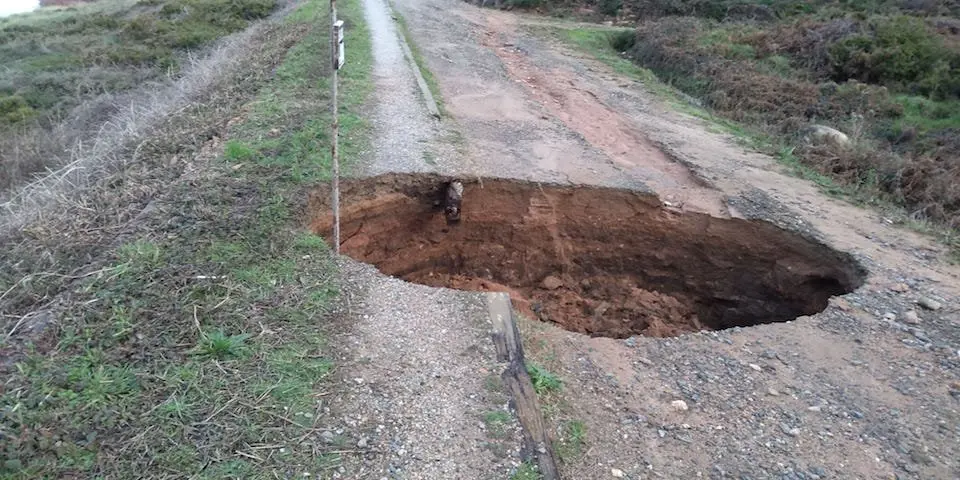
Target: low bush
(898,51)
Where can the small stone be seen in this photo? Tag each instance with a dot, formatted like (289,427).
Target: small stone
(327,436)
(793,432)
(929,303)
(920,457)
(815,408)
(551,283)
(617,473)
(911,317)
(768,354)
(772,392)
(756,367)
(920,335)
(889,316)
(362,443)
(679,405)
(900,287)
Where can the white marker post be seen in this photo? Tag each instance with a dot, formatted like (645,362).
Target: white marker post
(337,57)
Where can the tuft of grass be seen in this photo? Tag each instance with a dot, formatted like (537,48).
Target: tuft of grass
(238,152)
(527,471)
(220,346)
(544,381)
(572,440)
(497,422)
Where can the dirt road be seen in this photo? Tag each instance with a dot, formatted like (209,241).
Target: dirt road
(869,388)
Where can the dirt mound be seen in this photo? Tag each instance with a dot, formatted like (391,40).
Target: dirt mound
(598,261)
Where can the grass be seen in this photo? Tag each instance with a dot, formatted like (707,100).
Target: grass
(572,440)
(497,422)
(420,61)
(196,348)
(301,89)
(64,68)
(527,471)
(544,381)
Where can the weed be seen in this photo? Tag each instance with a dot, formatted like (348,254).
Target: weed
(220,346)
(610,7)
(544,381)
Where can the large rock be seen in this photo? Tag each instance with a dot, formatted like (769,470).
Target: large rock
(824,135)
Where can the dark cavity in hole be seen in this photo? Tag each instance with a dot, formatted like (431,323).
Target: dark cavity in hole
(599,261)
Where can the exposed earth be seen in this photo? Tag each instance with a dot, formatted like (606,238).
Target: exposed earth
(852,374)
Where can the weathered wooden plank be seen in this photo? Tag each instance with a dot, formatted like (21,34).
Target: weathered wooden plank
(506,338)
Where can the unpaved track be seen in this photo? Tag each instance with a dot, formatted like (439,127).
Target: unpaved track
(417,364)
(854,392)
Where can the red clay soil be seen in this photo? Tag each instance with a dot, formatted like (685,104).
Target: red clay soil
(599,261)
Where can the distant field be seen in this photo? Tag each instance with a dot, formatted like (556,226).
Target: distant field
(60,68)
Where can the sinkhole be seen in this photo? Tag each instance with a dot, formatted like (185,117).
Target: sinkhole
(599,261)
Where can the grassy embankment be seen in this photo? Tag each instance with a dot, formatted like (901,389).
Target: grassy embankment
(64,69)
(193,346)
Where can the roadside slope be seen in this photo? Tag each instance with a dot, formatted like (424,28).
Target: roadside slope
(173,321)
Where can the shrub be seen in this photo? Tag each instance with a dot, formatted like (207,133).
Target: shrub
(898,50)
(610,7)
(14,109)
(624,40)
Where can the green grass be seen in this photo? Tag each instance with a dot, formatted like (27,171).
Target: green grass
(220,346)
(544,381)
(927,115)
(497,422)
(291,105)
(572,440)
(54,60)
(200,347)
(420,61)
(597,42)
(527,471)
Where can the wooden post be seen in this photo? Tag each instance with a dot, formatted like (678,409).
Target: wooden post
(334,147)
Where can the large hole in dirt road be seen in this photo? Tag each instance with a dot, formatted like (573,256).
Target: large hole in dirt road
(598,261)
